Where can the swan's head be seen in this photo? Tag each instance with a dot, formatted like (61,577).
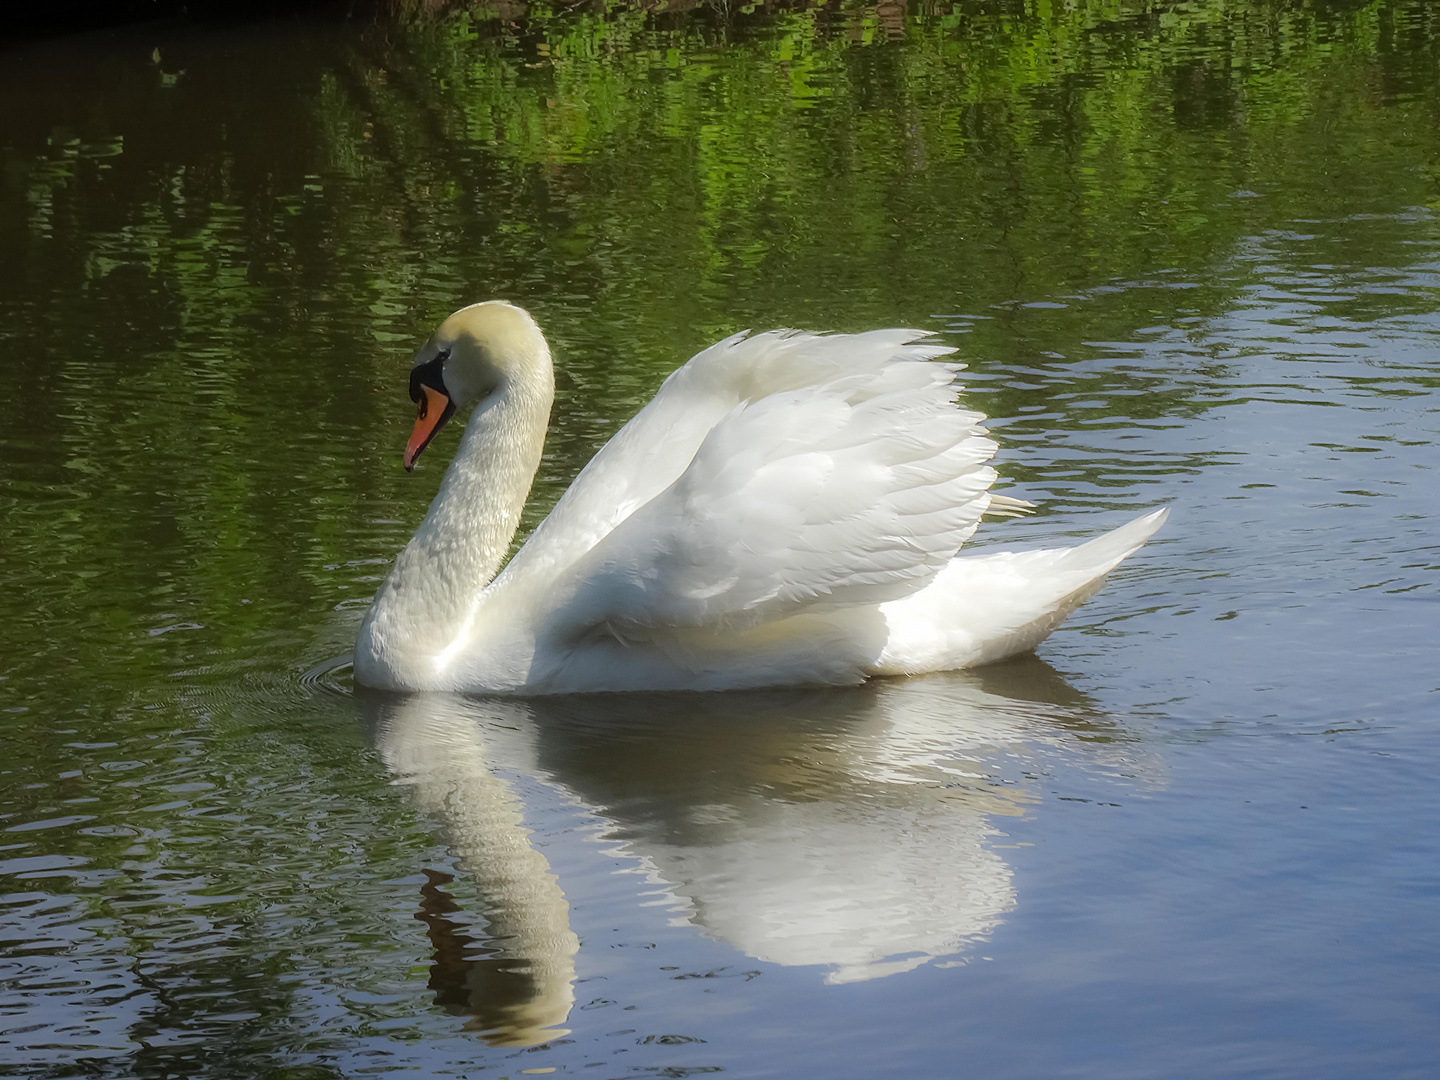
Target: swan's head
(476,351)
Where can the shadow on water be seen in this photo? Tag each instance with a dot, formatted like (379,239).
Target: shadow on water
(844,829)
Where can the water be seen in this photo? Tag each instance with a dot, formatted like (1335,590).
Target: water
(1191,258)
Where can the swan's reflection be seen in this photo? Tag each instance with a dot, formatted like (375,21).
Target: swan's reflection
(516,995)
(848,829)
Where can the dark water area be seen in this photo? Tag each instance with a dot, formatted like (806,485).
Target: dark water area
(1190,253)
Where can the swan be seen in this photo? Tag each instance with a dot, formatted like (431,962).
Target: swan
(786,510)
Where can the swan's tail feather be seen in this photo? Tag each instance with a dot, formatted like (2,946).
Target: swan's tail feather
(1005,506)
(984,608)
(1105,552)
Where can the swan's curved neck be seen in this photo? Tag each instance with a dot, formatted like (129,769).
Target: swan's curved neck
(431,594)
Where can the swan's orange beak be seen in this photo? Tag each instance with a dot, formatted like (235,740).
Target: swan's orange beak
(432,409)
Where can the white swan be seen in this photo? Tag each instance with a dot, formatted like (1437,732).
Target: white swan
(786,510)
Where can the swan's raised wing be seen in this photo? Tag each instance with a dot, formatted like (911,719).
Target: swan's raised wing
(854,490)
(650,453)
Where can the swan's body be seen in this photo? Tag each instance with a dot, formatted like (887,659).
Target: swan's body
(786,510)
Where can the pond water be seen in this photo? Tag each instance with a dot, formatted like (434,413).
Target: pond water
(1191,255)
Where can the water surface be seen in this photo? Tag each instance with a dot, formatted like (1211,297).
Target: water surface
(1191,256)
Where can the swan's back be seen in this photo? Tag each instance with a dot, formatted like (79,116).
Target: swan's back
(739,375)
(773,483)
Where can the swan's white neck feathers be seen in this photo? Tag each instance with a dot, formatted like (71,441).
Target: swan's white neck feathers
(425,612)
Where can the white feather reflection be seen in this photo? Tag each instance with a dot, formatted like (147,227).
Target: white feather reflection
(524,988)
(851,830)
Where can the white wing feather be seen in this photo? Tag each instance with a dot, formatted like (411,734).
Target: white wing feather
(844,475)
(651,451)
